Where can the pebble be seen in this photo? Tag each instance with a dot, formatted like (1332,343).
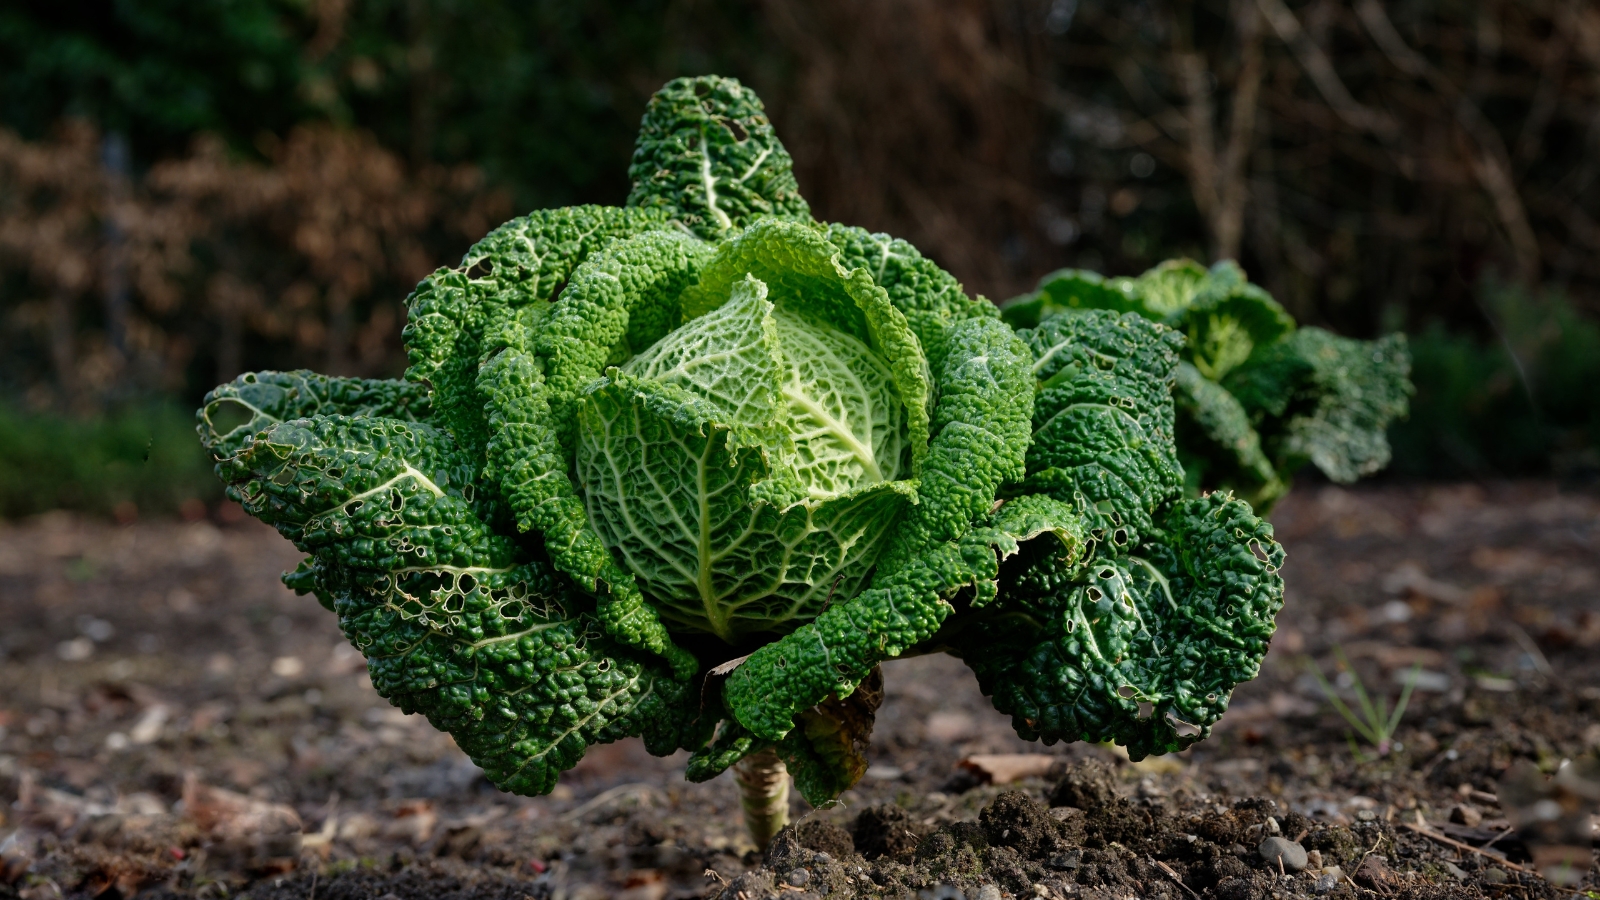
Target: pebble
(1495,875)
(1466,814)
(799,877)
(1276,849)
(1455,871)
(1325,884)
(1068,860)
(987,892)
(1314,859)
(820,859)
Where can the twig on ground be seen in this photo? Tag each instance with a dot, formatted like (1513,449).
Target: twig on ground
(607,796)
(1171,873)
(1491,841)
(1432,835)
(1357,866)
(1525,641)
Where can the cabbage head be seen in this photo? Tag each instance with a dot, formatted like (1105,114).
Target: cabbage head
(692,468)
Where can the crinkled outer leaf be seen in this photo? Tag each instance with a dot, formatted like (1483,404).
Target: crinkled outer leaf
(363,491)
(456,622)
(732,744)
(1219,448)
(620,300)
(1223,316)
(826,753)
(233,413)
(1326,399)
(1103,420)
(523,262)
(541,358)
(980,436)
(930,298)
(1142,649)
(708,156)
(804,277)
(1070,289)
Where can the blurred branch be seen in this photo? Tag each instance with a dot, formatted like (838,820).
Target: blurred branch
(1317,65)
(1218,180)
(1490,162)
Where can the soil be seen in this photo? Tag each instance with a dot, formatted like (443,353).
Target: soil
(175,723)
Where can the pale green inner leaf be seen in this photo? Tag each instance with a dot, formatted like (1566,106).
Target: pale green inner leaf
(846,420)
(744,466)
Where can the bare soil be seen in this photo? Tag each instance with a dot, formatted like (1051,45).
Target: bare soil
(175,723)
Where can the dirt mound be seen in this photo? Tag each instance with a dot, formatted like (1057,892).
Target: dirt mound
(1144,847)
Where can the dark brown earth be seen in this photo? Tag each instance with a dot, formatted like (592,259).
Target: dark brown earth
(174,722)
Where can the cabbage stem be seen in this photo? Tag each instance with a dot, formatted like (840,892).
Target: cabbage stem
(763,794)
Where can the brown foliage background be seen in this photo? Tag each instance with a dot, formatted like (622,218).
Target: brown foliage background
(1368,162)
(300,261)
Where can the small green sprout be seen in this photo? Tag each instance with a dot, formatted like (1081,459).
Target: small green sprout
(1376,723)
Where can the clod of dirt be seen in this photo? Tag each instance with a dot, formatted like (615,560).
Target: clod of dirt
(1337,843)
(755,883)
(1089,784)
(1007,866)
(1282,851)
(1070,824)
(1374,874)
(885,830)
(1119,821)
(825,837)
(1242,887)
(1014,820)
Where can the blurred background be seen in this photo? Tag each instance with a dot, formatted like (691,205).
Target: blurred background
(192,190)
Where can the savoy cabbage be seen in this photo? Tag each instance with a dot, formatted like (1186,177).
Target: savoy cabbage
(1257,398)
(692,468)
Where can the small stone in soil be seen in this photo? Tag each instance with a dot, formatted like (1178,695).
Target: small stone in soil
(799,877)
(1071,859)
(1495,875)
(988,892)
(1455,871)
(1325,884)
(1314,859)
(1277,849)
(1466,814)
